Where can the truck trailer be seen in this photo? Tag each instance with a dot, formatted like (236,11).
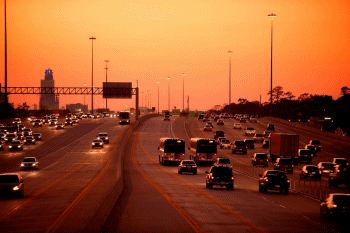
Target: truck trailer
(284,145)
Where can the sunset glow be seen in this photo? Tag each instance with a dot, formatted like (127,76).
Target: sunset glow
(150,40)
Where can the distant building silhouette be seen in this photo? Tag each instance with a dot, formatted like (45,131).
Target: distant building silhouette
(48,101)
(78,107)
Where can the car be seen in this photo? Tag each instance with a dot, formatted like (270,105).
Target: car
(310,171)
(225,162)
(207,128)
(104,137)
(29,140)
(29,163)
(284,164)
(21,127)
(11,184)
(249,143)
(31,118)
(270,127)
(304,155)
(38,136)
(316,144)
(260,159)
(225,143)
(249,131)
(267,134)
(97,143)
(75,120)
(210,123)
(45,119)
(237,126)
(266,143)
(258,137)
(2,136)
(37,122)
(239,146)
(273,180)
(166,118)
(27,132)
(68,122)
(339,161)
(59,126)
(15,145)
(219,133)
(312,149)
(340,175)
(253,119)
(187,166)
(20,135)
(10,137)
(220,122)
(336,205)
(325,167)
(243,120)
(219,176)
(53,122)
(16,121)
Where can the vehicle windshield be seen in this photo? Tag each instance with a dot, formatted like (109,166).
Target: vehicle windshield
(285,161)
(225,141)
(97,140)
(305,152)
(261,156)
(312,169)
(206,146)
(103,134)
(341,161)
(250,128)
(315,142)
(341,198)
(188,163)
(327,166)
(239,143)
(221,171)
(9,179)
(258,135)
(275,174)
(29,160)
(249,141)
(15,142)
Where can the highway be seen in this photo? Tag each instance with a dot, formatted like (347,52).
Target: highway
(77,188)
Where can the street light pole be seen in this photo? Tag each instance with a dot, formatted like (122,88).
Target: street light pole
(92,74)
(183,92)
(169,93)
(84,94)
(272,15)
(6,97)
(158,96)
(106,81)
(229,80)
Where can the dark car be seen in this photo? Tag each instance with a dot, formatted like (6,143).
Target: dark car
(219,133)
(304,155)
(29,163)
(339,161)
(187,166)
(68,122)
(310,171)
(219,176)
(220,122)
(97,143)
(312,149)
(273,180)
(38,136)
(260,159)
(249,143)
(29,140)
(316,144)
(337,204)
(38,122)
(15,145)
(104,137)
(284,164)
(325,167)
(270,127)
(11,184)
(266,143)
(10,137)
(239,146)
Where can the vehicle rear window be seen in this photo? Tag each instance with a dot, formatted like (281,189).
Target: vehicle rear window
(285,161)
(188,163)
(261,156)
(305,152)
(9,179)
(341,198)
(315,142)
(224,161)
(29,160)
(312,169)
(221,171)
(239,143)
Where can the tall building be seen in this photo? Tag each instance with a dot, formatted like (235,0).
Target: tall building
(48,101)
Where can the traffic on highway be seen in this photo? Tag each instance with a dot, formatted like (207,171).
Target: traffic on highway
(100,174)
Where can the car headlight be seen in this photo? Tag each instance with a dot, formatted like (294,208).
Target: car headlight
(100,143)
(33,164)
(106,138)
(93,144)
(15,188)
(22,164)
(10,146)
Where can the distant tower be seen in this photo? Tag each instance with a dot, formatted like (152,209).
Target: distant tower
(48,101)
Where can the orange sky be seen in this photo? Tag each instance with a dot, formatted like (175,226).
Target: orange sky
(150,40)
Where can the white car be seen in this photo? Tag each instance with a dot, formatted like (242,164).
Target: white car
(237,126)
(258,137)
(249,131)
(30,163)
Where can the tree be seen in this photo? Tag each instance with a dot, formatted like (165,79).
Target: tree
(345,91)
(242,101)
(277,93)
(288,95)
(304,97)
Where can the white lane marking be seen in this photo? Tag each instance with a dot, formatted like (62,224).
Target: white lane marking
(283,206)
(171,128)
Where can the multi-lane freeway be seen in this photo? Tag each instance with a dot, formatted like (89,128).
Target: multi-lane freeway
(123,188)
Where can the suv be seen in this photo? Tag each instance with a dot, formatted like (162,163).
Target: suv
(249,143)
(304,155)
(225,162)
(11,183)
(239,146)
(221,176)
(104,137)
(249,131)
(339,161)
(312,149)
(310,171)
(219,133)
(260,159)
(270,127)
(273,180)
(340,175)
(284,164)
(316,144)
